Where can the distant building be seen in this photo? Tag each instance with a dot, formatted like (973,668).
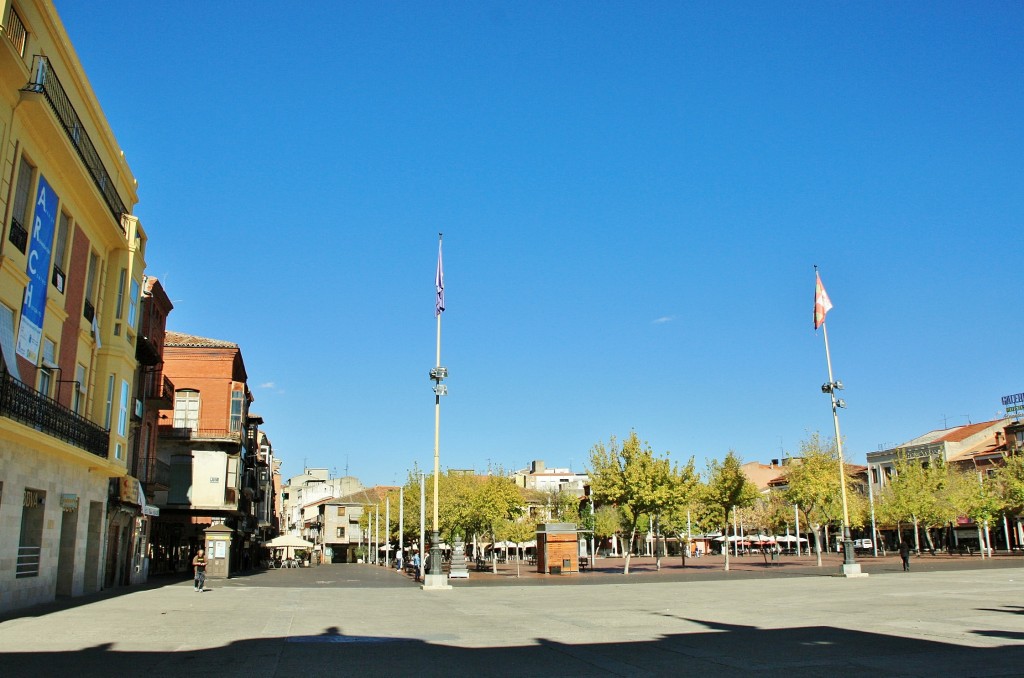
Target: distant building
(973,445)
(542,479)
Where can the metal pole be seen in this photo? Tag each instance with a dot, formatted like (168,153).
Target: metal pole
(401,523)
(874,529)
(423,522)
(435,535)
(848,558)
(796,518)
(376,535)
(387,531)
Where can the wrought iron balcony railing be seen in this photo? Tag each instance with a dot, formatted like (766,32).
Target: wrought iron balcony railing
(16,32)
(22,403)
(187,433)
(153,472)
(44,81)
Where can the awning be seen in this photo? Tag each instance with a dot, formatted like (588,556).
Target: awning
(7,340)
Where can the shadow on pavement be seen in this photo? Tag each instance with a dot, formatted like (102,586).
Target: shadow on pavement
(711,649)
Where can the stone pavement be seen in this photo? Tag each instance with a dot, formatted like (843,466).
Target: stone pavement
(966,620)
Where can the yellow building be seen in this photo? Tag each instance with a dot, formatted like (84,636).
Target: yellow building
(71,271)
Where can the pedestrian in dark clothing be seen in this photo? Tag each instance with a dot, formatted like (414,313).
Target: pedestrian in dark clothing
(905,555)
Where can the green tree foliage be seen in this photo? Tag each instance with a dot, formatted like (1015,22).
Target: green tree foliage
(495,502)
(608,521)
(727,488)
(813,485)
(1010,480)
(636,481)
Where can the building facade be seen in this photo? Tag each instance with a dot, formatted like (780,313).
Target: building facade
(206,438)
(71,273)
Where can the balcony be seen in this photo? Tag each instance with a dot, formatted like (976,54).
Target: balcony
(154,474)
(44,81)
(208,434)
(22,403)
(159,391)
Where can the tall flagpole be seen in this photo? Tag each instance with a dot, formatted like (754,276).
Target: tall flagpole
(435,578)
(822,305)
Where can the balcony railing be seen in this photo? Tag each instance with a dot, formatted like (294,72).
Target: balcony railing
(186,433)
(22,403)
(155,472)
(44,81)
(159,389)
(16,32)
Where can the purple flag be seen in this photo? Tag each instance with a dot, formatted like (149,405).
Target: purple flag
(439,282)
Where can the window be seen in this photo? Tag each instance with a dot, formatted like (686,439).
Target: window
(118,451)
(341,532)
(237,399)
(48,364)
(341,510)
(89,308)
(110,402)
(119,310)
(78,397)
(31,540)
(122,410)
(17,32)
(19,213)
(60,252)
(186,409)
(133,304)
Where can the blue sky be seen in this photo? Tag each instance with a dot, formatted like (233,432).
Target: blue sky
(633,196)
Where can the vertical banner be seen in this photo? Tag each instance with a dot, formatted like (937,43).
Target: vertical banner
(33,308)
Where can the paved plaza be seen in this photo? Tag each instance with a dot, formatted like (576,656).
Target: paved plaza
(956,617)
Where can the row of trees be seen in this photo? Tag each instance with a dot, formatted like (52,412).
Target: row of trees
(634,487)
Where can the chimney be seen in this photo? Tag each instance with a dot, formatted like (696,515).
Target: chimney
(537,466)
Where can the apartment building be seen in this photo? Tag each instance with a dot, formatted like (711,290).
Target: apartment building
(206,439)
(71,274)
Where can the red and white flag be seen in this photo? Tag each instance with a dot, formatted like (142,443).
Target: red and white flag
(822,304)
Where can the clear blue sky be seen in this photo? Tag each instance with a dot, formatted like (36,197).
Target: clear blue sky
(633,196)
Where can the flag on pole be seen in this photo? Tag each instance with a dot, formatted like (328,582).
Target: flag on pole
(822,304)
(439,282)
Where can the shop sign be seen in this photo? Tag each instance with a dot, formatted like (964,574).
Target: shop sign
(69,502)
(130,491)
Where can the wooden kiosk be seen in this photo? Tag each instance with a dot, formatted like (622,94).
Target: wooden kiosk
(557,548)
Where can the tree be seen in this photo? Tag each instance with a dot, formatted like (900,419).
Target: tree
(607,521)
(496,501)
(633,479)
(727,489)
(813,485)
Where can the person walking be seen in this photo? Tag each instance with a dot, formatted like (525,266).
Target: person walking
(199,567)
(905,555)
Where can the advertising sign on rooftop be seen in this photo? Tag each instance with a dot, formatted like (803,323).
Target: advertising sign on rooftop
(1014,404)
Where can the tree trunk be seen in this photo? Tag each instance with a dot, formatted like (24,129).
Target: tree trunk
(685,549)
(629,550)
(725,542)
(817,542)
(928,538)
(657,540)
(917,537)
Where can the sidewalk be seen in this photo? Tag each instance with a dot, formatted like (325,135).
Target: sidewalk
(643,568)
(364,620)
